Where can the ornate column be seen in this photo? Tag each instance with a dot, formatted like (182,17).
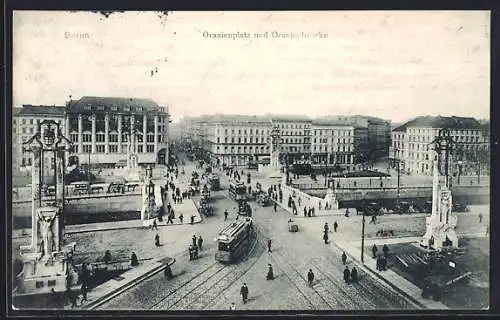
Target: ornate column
(119,133)
(106,133)
(156,134)
(93,119)
(36,195)
(80,134)
(144,132)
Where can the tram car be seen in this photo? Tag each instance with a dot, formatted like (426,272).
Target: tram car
(237,190)
(244,208)
(214,182)
(234,241)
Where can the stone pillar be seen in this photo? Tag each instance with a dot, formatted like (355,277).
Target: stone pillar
(106,133)
(144,132)
(156,134)
(93,119)
(36,195)
(80,134)
(119,133)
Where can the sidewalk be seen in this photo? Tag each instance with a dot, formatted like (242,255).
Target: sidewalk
(394,280)
(125,281)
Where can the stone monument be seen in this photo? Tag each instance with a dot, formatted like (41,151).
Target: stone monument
(274,169)
(132,171)
(152,201)
(46,260)
(441,224)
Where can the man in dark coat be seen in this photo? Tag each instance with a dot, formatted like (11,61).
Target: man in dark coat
(225,215)
(200,242)
(325,237)
(374,250)
(335,226)
(310,277)
(269,246)
(385,249)
(270,273)
(354,275)
(347,274)
(275,205)
(305,212)
(244,293)
(194,240)
(344,258)
(157,240)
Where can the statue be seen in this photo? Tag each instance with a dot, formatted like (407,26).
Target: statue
(47,235)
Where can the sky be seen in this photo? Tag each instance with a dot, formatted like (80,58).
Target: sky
(390,64)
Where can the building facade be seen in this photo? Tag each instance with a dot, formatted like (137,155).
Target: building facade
(101,129)
(236,140)
(412,145)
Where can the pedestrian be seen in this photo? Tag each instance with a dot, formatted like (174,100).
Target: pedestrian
(354,274)
(374,250)
(155,225)
(157,240)
(194,240)
(325,237)
(269,246)
(192,219)
(232,307)
(480,217)
(181,217)
(319,205)
(244,292)
(200,242)
(374,219)
(347,212)
(225,215)
(312,211)
(133,260)
(335,226)
(385,249)
(191,252)
(84,293)
(275,205)
(310,277)
(347,274)
(305,212)
(299,201)
(270,273)
(344,258)
(170,216)
(326,228)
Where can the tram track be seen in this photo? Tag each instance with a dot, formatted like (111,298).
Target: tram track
(207,285)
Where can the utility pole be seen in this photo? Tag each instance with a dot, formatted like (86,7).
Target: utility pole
(363,234)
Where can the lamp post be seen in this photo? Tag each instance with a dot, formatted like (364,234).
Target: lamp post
(363,233)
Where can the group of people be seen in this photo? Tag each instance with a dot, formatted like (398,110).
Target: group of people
(195,246)
(381,258)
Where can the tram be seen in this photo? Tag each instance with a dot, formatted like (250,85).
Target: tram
(234,240)
(237,191)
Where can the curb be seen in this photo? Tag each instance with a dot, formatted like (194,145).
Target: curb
(105,298)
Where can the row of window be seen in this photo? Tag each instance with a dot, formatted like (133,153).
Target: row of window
(333,133)
(338,141)
(113,137)
(112,148)
(339,149)
(452,132)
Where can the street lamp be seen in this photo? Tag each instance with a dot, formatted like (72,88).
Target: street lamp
(363,233)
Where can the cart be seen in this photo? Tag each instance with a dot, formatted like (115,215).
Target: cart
(292,226)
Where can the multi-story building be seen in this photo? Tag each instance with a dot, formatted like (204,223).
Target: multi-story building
(24,125)
(338,143)
(295,132)
(101,129)
(413,148)
(236,140)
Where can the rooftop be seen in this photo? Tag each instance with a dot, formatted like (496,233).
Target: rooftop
(112,104)
(441,122)
(28,109)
